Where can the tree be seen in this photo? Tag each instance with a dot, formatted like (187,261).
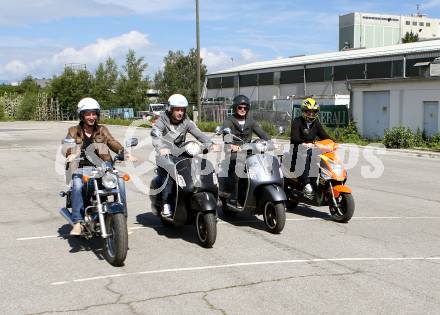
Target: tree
(27,107)
(410,37)
(133,85)
(70,87)
(179,75)
(28,85)
(105,83)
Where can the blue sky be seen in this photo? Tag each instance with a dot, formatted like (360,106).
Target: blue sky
(38,37)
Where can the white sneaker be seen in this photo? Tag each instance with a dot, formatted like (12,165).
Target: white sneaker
(166,211)
(308,189)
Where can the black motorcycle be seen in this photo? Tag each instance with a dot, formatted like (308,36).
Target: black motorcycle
(104,212)
(195,191)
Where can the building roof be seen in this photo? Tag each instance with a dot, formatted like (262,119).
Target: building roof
(386,51)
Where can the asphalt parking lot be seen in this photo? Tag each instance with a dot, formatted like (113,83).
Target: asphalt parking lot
(385,260)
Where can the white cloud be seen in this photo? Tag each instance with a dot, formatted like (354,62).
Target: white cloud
(91,55)
(431,4)
(248,55)
(215,60)
(15,68)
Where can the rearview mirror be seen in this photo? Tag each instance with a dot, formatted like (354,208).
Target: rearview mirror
(227,131)
(131,142)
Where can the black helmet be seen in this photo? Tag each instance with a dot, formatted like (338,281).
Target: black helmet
(240,99)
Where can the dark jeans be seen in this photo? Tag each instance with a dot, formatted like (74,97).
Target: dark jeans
(78,193)
(167,192)
(304,178)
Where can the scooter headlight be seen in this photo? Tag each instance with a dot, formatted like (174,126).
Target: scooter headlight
(193,148)
(109,181)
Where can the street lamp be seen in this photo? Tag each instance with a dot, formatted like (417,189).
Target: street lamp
(199,103)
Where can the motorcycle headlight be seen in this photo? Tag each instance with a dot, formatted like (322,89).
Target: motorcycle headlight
(109,181)
(260,146)
(193,148)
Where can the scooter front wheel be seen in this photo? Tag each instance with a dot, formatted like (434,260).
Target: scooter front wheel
(274,216)
(345,209)
(116,244)
(206,227)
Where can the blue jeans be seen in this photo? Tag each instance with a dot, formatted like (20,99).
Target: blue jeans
(78,194)
(167,192)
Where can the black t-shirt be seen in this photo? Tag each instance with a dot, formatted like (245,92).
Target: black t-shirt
(304,132)
(87,141)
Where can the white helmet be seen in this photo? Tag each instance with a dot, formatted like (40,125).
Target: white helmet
(88,103)
(177,100)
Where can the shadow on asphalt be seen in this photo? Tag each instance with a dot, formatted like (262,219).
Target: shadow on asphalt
(306,211)
(187,232)
(78,244)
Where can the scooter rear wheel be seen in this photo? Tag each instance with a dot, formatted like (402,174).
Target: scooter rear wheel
(274,216)
(206,227)
(345,209)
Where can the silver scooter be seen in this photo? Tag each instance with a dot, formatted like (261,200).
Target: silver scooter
(260,191)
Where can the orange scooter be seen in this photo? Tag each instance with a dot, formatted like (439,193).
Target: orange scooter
(329,187)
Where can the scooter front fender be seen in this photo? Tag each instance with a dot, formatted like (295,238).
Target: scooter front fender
(266,193)
(337,190)
(204,201)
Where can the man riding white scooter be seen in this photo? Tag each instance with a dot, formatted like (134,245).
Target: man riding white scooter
(168,134)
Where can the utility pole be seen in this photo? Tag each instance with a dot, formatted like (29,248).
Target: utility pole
(199,103)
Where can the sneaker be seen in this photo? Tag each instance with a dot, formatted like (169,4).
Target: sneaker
(166,211)
(308,190)
(77,229)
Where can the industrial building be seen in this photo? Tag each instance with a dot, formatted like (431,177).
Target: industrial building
(402,78)
(370,30)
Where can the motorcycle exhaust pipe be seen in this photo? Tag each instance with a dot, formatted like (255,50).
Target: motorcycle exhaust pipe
(66,214)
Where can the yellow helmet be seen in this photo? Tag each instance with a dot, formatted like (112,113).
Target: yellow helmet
(310,109)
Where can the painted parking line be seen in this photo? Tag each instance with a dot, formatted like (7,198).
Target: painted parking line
(247,264)
(134,228)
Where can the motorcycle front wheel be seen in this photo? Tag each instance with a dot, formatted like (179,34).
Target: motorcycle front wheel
(116,244)
(206,227)
(345,209)
(274,216)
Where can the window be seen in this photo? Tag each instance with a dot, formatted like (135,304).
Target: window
(412,71)
(228,82)
(421,24)
(315,75)
(379,70)
(408,23)
(415,23)
(248,80)
(397,66)
(292,76)
(428,24)
(342,73)
(214,83)
(265,78)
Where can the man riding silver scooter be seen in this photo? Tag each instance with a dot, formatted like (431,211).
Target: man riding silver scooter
(254,183)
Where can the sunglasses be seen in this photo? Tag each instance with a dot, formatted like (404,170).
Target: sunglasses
(242,107)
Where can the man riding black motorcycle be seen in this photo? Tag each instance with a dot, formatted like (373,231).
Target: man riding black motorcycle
(168,134)
(243,127)
(305,130)
(89,133)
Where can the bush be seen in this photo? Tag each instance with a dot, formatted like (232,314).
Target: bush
(2,113)
(434,142)
(27,107)
(399,138)
(207,126)
(347,134)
